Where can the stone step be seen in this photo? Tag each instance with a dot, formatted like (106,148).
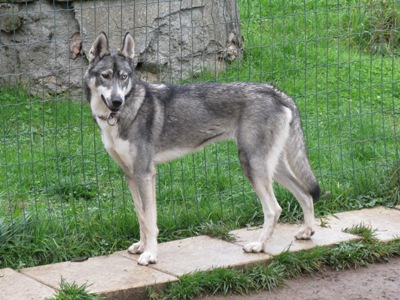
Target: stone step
(17,286)
(386,221)
(283,238)
(201,253)
(118,276)
(113,276)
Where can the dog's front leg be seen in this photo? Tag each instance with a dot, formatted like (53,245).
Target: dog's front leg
(143,192)
(139,246)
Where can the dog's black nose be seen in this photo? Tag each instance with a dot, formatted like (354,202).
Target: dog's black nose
(116,102)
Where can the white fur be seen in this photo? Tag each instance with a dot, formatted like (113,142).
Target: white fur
(96,103)
(118,148)
(158,86)
(172,154)
(147,218)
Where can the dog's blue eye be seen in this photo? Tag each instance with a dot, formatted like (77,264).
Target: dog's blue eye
(124,76)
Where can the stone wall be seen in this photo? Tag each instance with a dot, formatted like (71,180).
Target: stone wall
(43,43)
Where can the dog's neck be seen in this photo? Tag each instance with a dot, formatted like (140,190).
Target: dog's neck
(112,119)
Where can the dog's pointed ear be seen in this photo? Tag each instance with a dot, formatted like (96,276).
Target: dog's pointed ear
(99,47)
(128,47)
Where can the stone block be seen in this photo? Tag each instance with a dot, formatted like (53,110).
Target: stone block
(384,220)
(17,286)
(200,253)
(283,238)
(114,276)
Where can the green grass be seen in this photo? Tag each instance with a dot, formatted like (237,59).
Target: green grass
(70,291)
(61,196)
(374,26)
(285,266)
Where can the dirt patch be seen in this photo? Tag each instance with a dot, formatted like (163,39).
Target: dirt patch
(377,281)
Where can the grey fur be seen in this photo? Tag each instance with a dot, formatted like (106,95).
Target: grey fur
(156,123)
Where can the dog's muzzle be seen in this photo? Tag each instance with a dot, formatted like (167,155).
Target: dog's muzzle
(116,103)
(116,109)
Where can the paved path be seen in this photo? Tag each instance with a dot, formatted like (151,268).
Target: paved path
(118,276)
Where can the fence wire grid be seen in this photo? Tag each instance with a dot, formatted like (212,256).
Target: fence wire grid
(61,195)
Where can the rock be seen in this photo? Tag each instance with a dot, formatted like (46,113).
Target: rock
(173,39)
(43,43)
(10,24)
(16,1)
(37,54)
(75,45)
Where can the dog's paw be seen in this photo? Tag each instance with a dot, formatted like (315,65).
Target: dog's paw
(136,248)
(147,258)
(305,233)
(255,247)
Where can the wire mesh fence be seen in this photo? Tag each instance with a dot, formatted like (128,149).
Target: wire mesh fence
(62,196)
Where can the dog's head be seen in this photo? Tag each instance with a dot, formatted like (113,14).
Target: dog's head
(110,75)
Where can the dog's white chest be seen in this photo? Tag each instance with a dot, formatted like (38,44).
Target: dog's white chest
(118,148)
(109,135)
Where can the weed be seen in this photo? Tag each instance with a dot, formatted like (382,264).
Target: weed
(365,231)
(218,230)
(393,184)
(373,26)
(307,262)
(264,277)
(70,291)
(354,254)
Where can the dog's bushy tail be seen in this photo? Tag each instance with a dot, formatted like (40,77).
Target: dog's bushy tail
(297,157)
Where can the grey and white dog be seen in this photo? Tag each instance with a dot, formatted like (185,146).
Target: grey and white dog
(145,124)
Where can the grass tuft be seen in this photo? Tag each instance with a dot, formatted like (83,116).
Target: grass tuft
(217,281)
(218,230)
(70,291)
(373,26)
(304,262)
(265,277)
(365,231)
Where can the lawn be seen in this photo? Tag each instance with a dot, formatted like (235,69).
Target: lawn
(62,196)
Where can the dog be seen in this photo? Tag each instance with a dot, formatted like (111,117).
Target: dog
(145,124)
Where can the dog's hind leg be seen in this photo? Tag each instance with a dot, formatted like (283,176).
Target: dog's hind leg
(271,210)
(285,177)
(260,148)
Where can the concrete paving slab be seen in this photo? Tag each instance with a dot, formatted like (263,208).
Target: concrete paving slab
(113,276)
(16,286)
(283,238)
(200,253)
(386,221)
